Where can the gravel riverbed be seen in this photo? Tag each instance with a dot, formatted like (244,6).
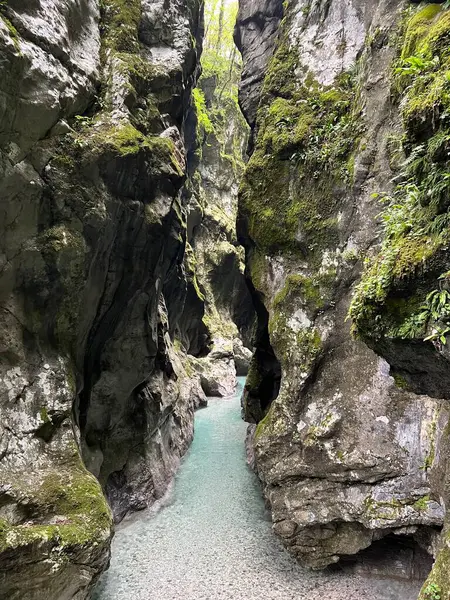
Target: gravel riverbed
(212,539)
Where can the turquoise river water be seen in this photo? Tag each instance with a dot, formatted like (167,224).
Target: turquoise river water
(212,538)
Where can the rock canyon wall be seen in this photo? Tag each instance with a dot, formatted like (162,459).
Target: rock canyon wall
(127,297)
(348,105)
(107,338)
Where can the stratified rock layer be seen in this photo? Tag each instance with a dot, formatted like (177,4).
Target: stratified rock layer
(345,456)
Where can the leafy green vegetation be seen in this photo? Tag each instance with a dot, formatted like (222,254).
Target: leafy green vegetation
(437,585)
(432,592)
(416,218)
(290,200)
(204,122)
(216,97)
(220,58)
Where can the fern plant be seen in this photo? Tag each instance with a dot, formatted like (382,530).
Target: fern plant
(437,307)
(414,65)
(432,592)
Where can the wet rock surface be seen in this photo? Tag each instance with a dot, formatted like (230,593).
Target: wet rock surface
(255,36)
(123,303)
(101,315)
(414,339)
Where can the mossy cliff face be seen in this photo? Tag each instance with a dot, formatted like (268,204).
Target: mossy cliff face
(217,135)
(94,98)
(400,306)
(344,454)
(222,135)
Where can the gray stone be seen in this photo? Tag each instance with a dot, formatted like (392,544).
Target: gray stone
(343,454)
(90,234)
(255,36)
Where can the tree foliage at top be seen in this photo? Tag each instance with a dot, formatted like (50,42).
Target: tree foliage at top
(216,97)
(220,56)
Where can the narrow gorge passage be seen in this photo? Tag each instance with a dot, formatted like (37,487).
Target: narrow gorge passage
(196,190)
(212,538)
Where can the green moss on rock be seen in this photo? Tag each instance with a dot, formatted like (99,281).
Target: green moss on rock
(120,21)
(418,29)
(204,124)
(416,216)
(254,377)
(438,582)
(70,510)
(290,193)
(424,69)
(300,287)
(294,343)
(124,140)
(270,426)
(14,34)
(280,79)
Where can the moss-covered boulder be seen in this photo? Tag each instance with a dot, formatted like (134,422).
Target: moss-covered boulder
(55,523)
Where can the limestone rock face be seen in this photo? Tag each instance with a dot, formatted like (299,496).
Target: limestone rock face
(400,308)
(219,260)
(93,104)
(242,357)
(345,455)
(255,35)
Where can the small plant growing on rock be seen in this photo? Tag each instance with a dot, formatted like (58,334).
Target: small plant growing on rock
(414,65)
(432,592)
(438,308)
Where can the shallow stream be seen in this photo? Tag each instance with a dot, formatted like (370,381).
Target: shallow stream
(213,538)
